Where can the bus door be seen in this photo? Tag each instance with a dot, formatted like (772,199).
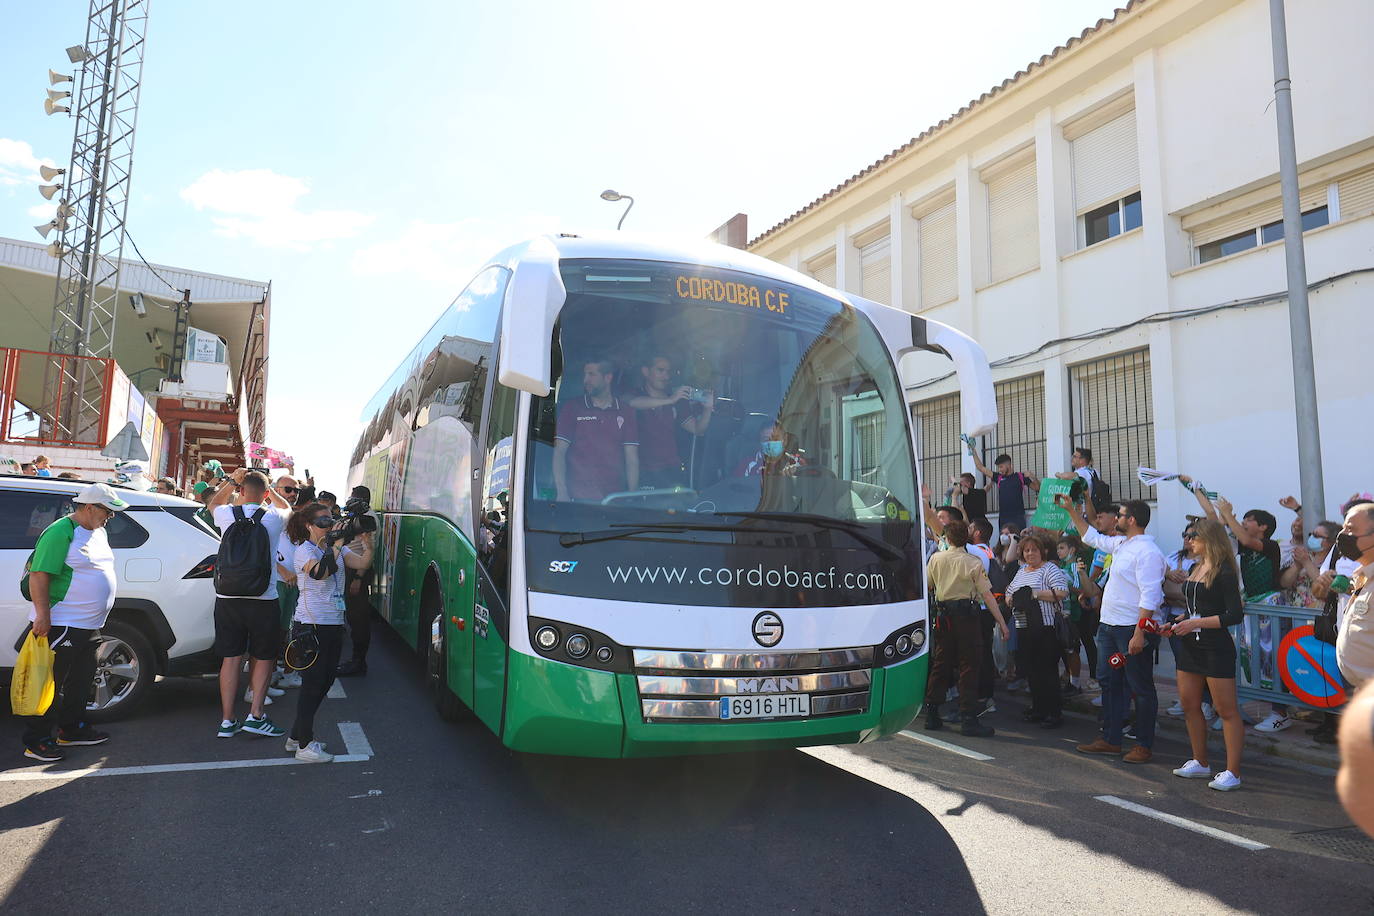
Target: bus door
(494,499)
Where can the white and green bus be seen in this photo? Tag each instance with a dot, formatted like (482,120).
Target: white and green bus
(640,499)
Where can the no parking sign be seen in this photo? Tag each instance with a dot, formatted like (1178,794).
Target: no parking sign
(1308,668)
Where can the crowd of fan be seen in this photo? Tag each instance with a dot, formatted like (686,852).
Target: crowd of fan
(1030,606)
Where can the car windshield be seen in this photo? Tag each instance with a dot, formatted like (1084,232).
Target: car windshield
(693,398)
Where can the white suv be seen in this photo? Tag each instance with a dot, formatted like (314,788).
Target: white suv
(163,621)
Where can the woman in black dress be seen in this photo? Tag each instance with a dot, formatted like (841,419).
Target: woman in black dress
(1206,654)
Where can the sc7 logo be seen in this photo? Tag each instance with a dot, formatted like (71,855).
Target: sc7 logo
(563,566)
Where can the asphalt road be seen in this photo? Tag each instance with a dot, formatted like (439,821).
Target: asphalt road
(443,818)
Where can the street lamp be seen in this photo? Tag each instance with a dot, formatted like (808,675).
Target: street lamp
(613,196)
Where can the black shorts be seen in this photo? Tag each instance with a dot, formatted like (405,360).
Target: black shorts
(247,625)
(1210,657)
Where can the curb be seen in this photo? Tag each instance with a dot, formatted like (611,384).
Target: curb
(1303,751)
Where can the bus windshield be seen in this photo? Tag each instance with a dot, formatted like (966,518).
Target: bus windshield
(700,403)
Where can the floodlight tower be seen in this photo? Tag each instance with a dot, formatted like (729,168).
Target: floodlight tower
(90,214)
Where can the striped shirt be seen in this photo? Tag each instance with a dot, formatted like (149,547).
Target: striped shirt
(321,600)
(1047,577)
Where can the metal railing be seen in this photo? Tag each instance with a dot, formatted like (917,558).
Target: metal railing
(1258,639)
(79,415)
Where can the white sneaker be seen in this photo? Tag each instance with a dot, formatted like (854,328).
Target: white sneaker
(1274,723)
(292,745)
(1193,770)
(290,679)
(266,701)
(1097,701)
(313,753)
(1208,712)
(1225,781)
(1176,710)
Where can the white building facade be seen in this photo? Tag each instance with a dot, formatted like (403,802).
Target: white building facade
(1108,224)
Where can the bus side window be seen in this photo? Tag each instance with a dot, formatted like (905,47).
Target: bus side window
(497,483)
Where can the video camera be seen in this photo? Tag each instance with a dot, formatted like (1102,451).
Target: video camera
(356,520)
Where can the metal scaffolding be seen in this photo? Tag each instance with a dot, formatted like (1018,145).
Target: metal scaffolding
(91,216)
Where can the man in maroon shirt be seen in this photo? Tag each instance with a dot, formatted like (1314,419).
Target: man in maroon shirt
(596,448)
(661,411)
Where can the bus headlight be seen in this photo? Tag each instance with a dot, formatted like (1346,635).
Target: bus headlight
(903,644)
(918,638)
(578,646)
(546,638)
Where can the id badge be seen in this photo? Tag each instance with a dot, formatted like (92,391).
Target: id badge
(339,603)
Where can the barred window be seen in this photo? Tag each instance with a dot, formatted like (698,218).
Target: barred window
(1020,430)
(937,440)
(1111,411)
(868,443)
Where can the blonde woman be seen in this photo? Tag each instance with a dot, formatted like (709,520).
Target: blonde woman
(1206,654)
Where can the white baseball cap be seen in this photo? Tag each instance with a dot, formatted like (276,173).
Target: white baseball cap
(103,494)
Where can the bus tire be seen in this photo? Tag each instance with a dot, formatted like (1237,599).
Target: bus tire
(446,703)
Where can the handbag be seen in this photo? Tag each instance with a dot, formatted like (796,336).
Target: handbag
(1064,629)
(1324,624)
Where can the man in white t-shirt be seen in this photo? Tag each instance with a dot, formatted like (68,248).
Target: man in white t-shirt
(249,624)
(72,581)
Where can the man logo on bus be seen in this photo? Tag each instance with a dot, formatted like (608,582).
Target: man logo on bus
(767,629)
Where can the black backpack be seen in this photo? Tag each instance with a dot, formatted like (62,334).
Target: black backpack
(1099,492)
(243,567)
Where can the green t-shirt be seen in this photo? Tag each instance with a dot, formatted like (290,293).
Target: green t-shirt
(50,556)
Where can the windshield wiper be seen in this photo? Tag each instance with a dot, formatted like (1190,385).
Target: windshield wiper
(853,529)
(573,538)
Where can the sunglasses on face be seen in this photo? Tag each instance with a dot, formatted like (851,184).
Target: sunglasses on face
(1190,536)
(290,489)
(324,521)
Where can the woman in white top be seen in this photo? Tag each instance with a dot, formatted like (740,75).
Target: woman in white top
(319,614)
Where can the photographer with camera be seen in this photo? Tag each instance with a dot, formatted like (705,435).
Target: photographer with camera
(325,548)
(358,519)
(662,411)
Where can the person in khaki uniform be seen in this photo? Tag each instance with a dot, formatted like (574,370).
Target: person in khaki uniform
(957,582)
(1355,640)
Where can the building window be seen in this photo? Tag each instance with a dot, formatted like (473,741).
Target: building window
(1111,220)
(1106,178)
(939,257)
(868,443)
(1111,411)
(1356,194)
(938,445)
(1254,237)
(1013,229)
(875,270)
(1020,429)
(823,269)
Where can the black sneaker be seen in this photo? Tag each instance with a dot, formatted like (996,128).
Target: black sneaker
(351,668)
(81,736)
(975,729)
(933,720)
(1128,731)
(45,750)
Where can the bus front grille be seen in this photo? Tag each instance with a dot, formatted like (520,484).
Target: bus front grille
(688,686)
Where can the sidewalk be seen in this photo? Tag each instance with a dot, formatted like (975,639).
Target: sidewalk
(1293,743)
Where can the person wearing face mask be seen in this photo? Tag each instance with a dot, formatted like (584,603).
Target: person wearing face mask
(772,458)
(72,583)
(1355,637)
(1309,557)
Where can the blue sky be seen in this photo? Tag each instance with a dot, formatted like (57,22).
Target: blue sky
(366,157)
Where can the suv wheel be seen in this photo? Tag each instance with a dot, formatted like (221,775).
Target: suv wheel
(124,669)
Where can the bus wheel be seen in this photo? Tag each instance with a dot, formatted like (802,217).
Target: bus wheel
(450,708)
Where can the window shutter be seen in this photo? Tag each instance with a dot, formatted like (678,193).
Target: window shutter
(824,270)
(939,256)
(1013,229)
(1356,194)
(1254,217)
(1105,164)
(875,260)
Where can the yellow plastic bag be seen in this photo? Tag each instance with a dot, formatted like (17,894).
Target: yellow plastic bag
(32,689)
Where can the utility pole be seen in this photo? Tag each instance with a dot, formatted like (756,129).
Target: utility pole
(1299,318)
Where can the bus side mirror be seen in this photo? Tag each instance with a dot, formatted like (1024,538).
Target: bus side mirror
(534,297)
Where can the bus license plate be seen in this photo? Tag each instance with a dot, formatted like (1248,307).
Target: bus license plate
(765,707)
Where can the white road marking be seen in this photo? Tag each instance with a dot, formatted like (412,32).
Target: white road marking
(336,691)
(36,775)
(945,746)
(370,793)
(386,825)
(1183,822)
(354,739)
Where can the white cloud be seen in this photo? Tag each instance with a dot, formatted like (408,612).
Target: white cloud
(262,206)
(448,254)
(18,164)
(43,212)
